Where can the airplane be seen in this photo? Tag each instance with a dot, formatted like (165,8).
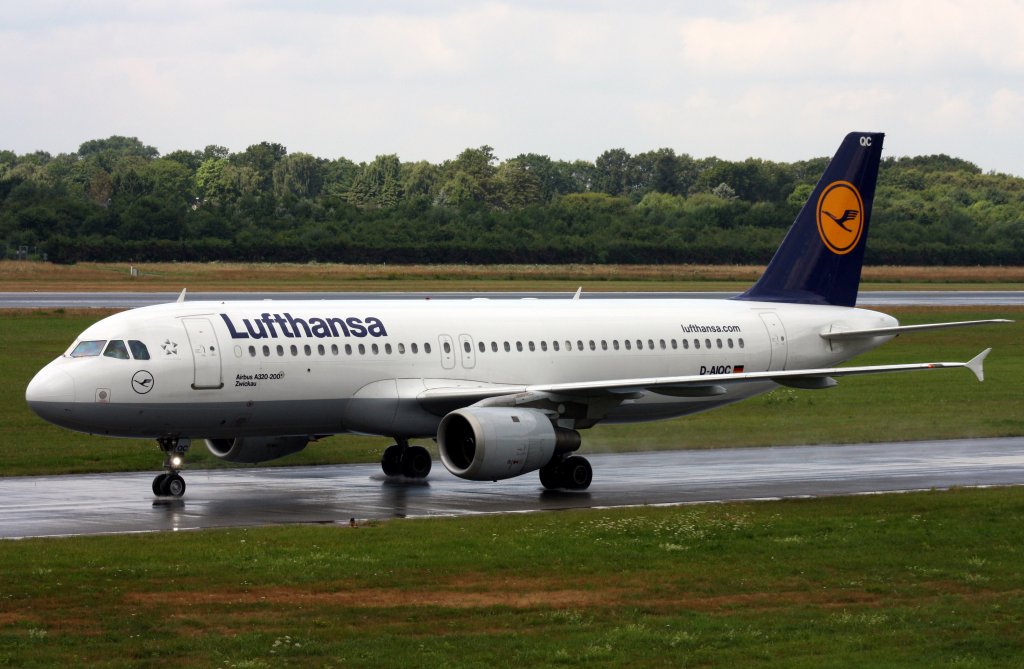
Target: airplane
(504,385)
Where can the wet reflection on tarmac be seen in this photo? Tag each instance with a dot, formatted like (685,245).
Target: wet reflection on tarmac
(123,503)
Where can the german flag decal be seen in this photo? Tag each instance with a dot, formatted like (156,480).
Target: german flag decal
(840,217)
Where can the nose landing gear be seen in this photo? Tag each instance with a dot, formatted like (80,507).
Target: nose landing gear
(170,483)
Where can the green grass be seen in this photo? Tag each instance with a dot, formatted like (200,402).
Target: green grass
(914,580)
(888,407)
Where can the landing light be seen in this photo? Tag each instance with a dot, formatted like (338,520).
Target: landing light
(176,461)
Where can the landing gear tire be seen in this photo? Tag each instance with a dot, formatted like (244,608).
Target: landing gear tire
(158,485)
(577,473)
(573,473)
(391,461)
(174,485)
(416,462)
(170,483)
(550,476)
(401,459)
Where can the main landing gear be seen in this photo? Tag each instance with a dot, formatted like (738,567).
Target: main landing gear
(571,473)
(170,483)
(401,459)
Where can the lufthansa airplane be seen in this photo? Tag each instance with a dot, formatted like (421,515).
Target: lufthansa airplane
(505,385)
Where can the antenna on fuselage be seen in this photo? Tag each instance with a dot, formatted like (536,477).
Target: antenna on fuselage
(181,298)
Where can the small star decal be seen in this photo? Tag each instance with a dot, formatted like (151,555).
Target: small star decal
(169,347)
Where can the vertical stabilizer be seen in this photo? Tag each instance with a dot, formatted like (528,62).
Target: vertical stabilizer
(820,259)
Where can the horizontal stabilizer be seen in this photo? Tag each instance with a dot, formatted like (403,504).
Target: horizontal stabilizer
(893,331)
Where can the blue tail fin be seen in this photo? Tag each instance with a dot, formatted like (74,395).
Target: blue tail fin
(820,259)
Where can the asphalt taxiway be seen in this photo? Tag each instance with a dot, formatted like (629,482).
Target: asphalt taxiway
(246,497)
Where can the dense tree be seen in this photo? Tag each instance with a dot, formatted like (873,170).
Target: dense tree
(118,199)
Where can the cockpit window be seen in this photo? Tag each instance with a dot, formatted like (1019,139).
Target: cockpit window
(139,350)
(87,349)
(116,349)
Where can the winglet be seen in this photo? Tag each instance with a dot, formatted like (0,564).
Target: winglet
(181,298)
(975,364)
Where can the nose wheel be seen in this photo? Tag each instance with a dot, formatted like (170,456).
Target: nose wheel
(170,483)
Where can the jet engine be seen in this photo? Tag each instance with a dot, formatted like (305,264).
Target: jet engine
(492,443)
(255,449)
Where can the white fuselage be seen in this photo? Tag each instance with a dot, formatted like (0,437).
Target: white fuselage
(235,369)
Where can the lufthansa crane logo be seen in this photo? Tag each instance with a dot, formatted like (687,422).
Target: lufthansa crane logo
(142,382)
(840,217)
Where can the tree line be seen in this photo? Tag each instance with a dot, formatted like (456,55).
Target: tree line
(118,199)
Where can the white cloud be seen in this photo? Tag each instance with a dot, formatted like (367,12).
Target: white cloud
(779,80)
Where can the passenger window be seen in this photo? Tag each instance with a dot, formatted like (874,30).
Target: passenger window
(266,351)
(604,344)
(707,343)
(280,350)
(544,345)
(466,347)
(387,348)
(401,349)
(374,348)
(447,347)
(532,347)
(554,345)
(482,346)
(348,349)
(320,349)
(87,349)
(139,350)
(362,349)
(686,343)
(414,348)
(675,344)
(696,343)
(294,349)
(494,347)
(252,351)
(615,344)
(519,346)
(650,344)
(629,345)
(579,345)
(729,341)
(334,349)
(307,350)
(741,342)
(426,348)
(507,347)
(116,349)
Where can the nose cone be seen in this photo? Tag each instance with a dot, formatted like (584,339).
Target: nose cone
(50,394)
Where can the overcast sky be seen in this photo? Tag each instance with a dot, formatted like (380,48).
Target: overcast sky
(782,80)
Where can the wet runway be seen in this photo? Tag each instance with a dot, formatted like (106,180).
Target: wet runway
(67,300)
(123,503)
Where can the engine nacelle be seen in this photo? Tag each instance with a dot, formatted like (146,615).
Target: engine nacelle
(492,443)
(255,449)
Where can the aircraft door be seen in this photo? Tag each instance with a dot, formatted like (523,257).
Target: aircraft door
(779,349)
(466,351)
(447,351)
(205,353)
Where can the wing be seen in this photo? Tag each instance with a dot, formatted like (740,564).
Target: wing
(607,394)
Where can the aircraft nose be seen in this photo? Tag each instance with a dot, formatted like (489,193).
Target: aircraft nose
(50,393)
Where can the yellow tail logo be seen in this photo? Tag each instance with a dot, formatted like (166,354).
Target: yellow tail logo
(840,217)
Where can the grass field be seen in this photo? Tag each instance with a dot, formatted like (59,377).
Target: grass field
(915,580)
(932,405)
(21,276)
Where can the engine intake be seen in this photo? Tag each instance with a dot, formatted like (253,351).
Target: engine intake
(255,449)
(493,443)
